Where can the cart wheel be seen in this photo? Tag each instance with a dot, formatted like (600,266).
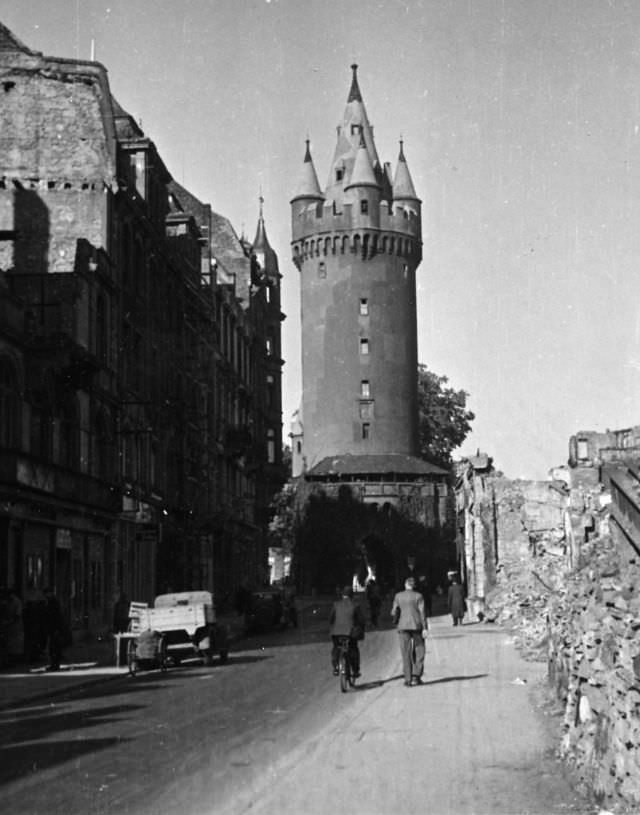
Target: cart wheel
(132,660)
(163,654)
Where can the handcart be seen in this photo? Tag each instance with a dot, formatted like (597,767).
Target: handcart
(147,651)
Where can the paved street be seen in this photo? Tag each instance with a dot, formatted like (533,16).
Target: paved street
(271,732)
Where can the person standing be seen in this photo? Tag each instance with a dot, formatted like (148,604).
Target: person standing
(56,628)
(455,601)
(374,600)
(14,628)
(408,614)
(346,620)
(423,588)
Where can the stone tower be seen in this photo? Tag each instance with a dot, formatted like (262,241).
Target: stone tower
(357,246)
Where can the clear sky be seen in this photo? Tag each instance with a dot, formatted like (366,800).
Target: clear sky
(521,127)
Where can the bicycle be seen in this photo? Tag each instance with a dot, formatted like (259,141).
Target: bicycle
(346,672)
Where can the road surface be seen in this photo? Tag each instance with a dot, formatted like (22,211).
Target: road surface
(270,732)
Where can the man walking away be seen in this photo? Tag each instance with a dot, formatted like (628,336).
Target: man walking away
(408,615)
(346,620)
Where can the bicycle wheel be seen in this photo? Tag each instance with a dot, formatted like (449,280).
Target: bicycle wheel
(343,666)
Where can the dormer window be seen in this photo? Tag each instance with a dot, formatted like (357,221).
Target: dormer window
(339,173)
(356,130)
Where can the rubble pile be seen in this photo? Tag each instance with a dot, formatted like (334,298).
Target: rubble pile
(520,600)
(594,666)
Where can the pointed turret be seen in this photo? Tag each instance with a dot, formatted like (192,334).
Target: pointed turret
(362,174)
(403,189)
(264,260)
(308,186)
(355,128)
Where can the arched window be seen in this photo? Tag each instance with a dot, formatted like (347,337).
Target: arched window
(9,405)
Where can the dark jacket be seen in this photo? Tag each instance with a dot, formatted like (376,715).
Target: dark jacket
(455,600)
(346,619)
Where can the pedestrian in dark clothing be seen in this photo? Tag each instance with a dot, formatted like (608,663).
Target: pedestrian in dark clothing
(456,602)
(346,620)
(423,588)
(121,613)
(374,599)
(56,628)
(408,615)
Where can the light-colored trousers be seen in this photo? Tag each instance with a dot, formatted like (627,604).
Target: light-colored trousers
(412,651)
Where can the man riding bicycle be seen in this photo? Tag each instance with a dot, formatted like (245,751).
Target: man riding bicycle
(346,620)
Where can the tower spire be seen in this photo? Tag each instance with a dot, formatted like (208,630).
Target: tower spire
(308,186)
(354,93)
(403,189)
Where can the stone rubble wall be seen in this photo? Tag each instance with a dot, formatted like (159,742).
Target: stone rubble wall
(594,666)
(571,600)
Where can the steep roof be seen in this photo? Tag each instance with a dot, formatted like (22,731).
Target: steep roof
(355,128)
(262,249)
(362,174)
(403,188)
(391,465)
(308,186)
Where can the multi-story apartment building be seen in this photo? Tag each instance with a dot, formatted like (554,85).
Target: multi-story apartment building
(140,408)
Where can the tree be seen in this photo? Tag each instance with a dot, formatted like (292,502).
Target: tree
(444,422)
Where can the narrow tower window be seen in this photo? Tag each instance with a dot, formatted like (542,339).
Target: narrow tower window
(322,269)
(366,430)
(364,206)
(364,347)
(364,307)
(365,389)
(339,174)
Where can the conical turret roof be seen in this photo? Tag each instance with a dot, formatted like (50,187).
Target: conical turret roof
(354,129)
(265,256)
(403,188)
(308,186)
(362,173)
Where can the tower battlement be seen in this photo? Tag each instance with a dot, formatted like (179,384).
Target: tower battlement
(317,217)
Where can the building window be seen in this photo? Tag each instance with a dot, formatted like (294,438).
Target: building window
(365,389)
(364,206)
(322,269)
(271,446)
(339,174)
(583,449)
(364,307)
(364,347)
(366,410)
(8,405)
(366,430)
(101,329)
(356,129)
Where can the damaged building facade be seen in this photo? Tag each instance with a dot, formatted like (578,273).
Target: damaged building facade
(558,561)
(140,362)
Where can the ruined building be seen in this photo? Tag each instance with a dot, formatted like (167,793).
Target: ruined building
(357,245)
(140,412)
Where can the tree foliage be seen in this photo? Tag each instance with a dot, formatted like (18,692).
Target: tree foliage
(444,422)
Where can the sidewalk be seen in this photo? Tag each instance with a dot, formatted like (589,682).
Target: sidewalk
(83,663)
